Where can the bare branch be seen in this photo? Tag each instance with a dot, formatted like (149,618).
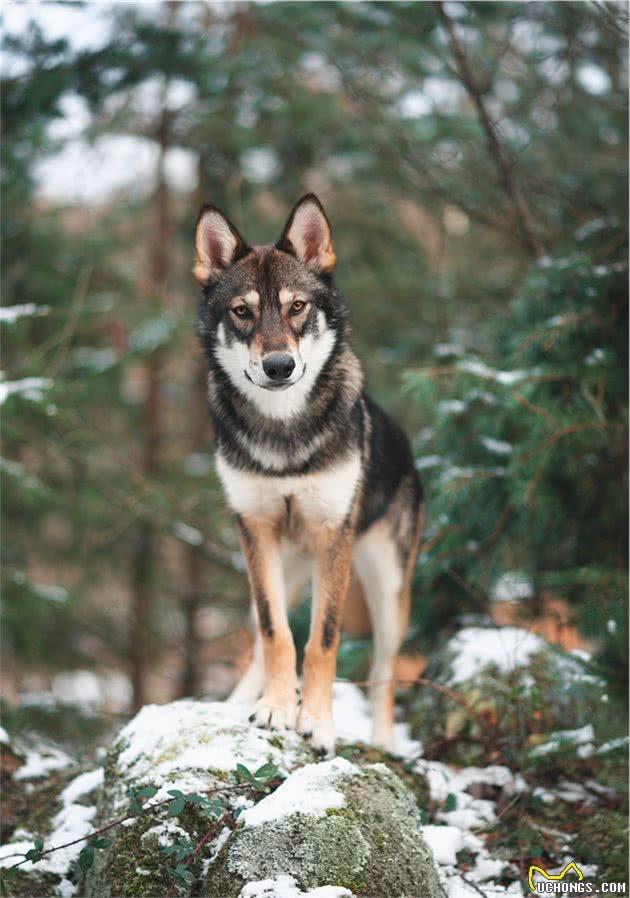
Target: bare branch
(521,209)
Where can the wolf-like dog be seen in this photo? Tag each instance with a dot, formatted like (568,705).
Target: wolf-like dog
(322,481)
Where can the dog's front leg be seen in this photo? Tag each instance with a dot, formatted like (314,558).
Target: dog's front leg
(333,554)
(261,548)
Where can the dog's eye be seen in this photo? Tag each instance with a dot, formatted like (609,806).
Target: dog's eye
(297,307)
(242,311)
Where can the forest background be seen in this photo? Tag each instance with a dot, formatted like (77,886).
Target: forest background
(472,158)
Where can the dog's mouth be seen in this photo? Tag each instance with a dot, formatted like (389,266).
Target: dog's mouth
(275,388)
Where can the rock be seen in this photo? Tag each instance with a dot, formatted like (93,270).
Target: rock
(516,688)
(351,826)
(332,822)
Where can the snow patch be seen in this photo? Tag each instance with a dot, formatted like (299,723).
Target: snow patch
(193,739)
(40,763)
(353,720)
(427,461)
(480,369)
(581,736)
(187,534)
(310,790)
(444,842)
(497,447)
(512,586)
(10,314)
(286,887)
(28,388)
(506,648)
(74,821)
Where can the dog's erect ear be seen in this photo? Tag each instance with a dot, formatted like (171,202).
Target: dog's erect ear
(307,235)
(217,245)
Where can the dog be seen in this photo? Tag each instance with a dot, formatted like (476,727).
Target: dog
(322,481)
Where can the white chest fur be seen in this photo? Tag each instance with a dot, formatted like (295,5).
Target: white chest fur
(323,497)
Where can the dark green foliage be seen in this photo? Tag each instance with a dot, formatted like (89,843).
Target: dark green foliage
(536,444)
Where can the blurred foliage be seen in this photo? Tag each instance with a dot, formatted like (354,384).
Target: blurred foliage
(363,103)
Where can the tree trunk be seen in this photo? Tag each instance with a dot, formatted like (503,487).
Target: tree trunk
(144,560)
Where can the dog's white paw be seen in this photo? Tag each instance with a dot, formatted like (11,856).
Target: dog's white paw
(321,733)
(275,717)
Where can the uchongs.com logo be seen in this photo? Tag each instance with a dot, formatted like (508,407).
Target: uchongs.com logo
(569,881)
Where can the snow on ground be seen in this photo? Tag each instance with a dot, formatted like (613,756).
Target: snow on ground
(468,814)
(72,822)
(42,762)
(309,790)
(351,712)
(583,737)
(286,887)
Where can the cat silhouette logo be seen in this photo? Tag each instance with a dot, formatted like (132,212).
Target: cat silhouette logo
(553,877)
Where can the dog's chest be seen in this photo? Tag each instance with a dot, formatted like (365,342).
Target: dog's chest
(323,497)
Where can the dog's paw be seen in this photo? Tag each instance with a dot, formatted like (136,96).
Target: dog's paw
(321,733)
(275,716)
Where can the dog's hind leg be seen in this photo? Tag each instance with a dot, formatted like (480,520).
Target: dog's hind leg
(381,574)
(250,685)
(384,563)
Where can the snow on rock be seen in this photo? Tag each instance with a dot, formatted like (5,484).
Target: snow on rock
(286,887)
(506,648)
(192,739)
(310,790)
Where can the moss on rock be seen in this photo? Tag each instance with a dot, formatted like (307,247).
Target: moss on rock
(371,845)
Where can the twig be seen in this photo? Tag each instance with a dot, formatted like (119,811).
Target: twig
(472,885)
(536,409)
(421,681)
(202,841)
(567,431)
(523,215)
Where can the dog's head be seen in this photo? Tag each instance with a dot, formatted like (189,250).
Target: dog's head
(270,315)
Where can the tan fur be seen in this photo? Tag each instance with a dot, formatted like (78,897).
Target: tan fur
(333,557)
(261,548)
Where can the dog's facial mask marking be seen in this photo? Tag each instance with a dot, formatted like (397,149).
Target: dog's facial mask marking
(272,337)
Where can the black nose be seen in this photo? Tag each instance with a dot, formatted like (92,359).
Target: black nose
(278,366)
